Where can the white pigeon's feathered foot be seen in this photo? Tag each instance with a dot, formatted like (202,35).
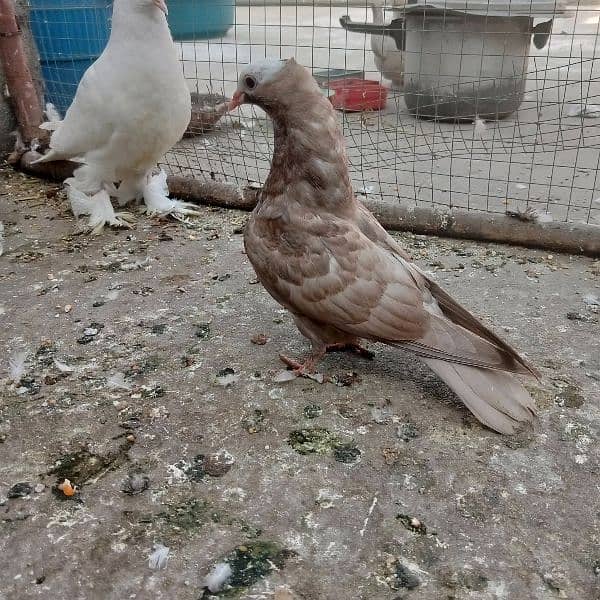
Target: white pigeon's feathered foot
(99,209)
(129,190)
(157,201)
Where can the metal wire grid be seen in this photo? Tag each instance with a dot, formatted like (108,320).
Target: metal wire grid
(543,155)
(540,156)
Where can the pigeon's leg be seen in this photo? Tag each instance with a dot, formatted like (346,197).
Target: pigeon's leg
(156,198)
(319,350)
(352,347)
(323,338)
(99,209)
(130,190)
(309,364)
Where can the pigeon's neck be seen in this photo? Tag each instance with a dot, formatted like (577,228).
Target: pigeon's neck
(309,160)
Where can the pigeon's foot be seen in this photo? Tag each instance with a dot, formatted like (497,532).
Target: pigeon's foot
(356,348)
(308,366)
(99,209)
(167,207)
(157,201)
(127,192)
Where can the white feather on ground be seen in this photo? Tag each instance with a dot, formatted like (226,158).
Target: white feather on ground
(530,214)
(135,265)
(117,382)
(591,301)
(63,367)
(159,557)
(16,365)
(1,238)
(108,127)
(479,127)
(217,578)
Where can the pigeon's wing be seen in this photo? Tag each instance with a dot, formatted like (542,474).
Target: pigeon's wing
(438,299)
(88,123)
(330,272)
(372,229)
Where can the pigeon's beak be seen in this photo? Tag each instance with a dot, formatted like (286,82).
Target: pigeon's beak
(162,5)
(237,99)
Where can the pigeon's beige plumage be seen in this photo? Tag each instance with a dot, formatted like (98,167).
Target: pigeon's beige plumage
(324,257)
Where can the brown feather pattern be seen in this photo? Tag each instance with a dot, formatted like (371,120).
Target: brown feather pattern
(324,257)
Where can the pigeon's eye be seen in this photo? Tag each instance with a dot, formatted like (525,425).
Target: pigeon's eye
(250,82)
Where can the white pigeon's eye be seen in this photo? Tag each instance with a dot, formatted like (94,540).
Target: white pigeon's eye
(250,82)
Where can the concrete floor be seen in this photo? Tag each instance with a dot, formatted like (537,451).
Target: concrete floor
(149,348)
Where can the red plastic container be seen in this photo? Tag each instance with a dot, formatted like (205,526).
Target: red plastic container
(353,94)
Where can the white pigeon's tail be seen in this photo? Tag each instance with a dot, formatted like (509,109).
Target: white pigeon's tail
(496,398)
(52,112)
(52,124)
(54,119)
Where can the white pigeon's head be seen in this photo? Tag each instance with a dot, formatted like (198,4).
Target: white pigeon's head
(272,82)
(149,6)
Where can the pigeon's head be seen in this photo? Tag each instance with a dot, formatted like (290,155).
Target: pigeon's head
(271,83)
(147,5)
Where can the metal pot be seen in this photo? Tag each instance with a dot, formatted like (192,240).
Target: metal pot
(464,63)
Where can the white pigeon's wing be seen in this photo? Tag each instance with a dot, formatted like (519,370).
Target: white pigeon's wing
(85,125)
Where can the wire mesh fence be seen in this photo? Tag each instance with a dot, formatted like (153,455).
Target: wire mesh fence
(490,107)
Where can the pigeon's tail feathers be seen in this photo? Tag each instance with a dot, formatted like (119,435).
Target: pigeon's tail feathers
(458,315)
(50,125)
(54,119)
(496,398)
(52,113)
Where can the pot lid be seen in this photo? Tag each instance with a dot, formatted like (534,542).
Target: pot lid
(504,8)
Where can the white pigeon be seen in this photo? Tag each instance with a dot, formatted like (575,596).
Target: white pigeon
(389,60)
(132,105)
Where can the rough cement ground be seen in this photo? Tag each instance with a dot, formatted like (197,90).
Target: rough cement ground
(379,485)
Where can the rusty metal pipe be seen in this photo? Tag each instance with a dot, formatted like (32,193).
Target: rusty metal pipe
(572,238)
(26,104)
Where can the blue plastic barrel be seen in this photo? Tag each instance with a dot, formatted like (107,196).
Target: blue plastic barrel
(70,35)
(200,19)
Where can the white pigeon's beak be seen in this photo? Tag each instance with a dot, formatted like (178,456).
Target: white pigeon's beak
(237,99)
(162,5)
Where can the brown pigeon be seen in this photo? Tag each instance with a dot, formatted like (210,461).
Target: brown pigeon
(322,255)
